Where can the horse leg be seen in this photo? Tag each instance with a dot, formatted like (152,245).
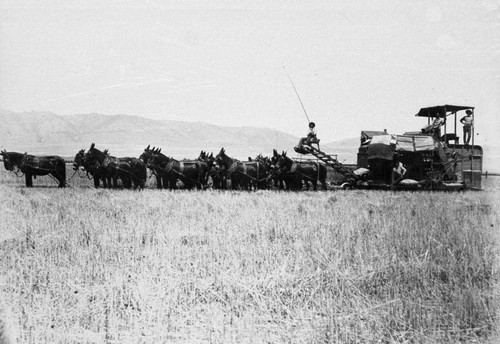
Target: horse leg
(315,185)
(61,175)
(127,182)
(323,184)
(29,181)
(60,179)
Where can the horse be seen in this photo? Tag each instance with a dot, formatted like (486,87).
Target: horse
(161,181)
(94,171)
(192,173)
(129,170)
(157,162)
(33,166)
(244,174)
(138,173)
(296,171)
(277,177)
(93,163)
(215,173)
(267,164)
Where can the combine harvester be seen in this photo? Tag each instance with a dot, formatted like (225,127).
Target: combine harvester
(430,160)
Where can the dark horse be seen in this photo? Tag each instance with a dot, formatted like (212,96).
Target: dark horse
(244,174)
(95,172)
(278,178)
(192,173)
(215,174)
(294,172)
(161,181)
(129,170)
(33,166)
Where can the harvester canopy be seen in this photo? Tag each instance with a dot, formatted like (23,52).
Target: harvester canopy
(441,110)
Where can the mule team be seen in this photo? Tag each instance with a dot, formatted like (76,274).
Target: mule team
(219,172)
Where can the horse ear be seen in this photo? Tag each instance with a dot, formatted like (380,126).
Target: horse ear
(147,148)
(92,145)
(159,150)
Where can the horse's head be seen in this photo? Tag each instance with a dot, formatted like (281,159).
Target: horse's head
(273,161)
(157,160)
(94,156)
(146,154)
(283,163)
(210,160)
(264,160)
(221,159)
(202,156)
(79,159)
(8,164)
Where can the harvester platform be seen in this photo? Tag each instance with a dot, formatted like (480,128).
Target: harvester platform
(329,160)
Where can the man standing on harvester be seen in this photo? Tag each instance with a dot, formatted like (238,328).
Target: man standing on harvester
(468,122)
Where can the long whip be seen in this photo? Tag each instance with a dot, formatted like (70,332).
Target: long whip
(297,93)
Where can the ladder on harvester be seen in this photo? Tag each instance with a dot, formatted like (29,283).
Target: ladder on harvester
(330,161)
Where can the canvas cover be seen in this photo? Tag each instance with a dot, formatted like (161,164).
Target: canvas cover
(383,146)
(411,143)
(368,134)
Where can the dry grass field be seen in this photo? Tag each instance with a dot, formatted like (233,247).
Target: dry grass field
(80,265)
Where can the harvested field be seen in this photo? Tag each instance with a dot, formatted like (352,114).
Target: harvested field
(118,266)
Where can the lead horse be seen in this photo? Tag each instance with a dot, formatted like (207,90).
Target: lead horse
(33,165)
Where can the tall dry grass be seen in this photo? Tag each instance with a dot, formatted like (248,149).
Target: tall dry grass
(86,265)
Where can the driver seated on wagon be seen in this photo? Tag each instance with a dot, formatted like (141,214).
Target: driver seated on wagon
(310,138)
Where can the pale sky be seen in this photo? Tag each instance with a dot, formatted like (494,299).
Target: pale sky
(356,64)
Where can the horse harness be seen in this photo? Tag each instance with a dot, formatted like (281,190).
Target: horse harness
(170,168)
(234,168)
(294,169)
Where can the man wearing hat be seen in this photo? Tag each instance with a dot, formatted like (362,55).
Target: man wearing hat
(310,135)
(468,122)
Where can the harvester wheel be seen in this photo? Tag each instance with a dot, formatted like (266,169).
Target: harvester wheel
(346,186)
